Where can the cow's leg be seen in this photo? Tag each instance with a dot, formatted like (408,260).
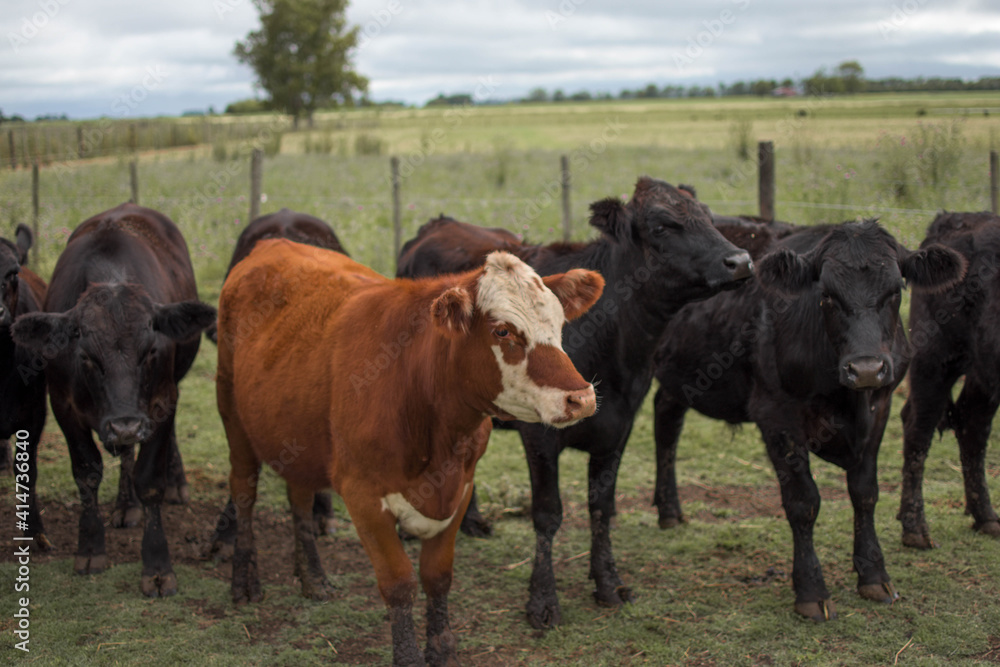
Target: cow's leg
(437,557)
(128,509)
(929,395)
(668,421)
(801,501)
(176,492)
(223,540)
(546,515)
(243,476)
(397,582)
(88,471)
(974,412)
(862,485)
(323,516)
(308,567)
(603,476)
(158,578)
(474,524)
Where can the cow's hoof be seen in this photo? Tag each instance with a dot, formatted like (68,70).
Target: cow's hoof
(919,541)
(821,611)
(90,564)
(991,528)
(219,551)
(442,649)
(317,588)
(127,518)
(159,585)
(544,614)
(671,521)
(613,597)
(476,527)
(882,592)
(177,495)
(247,591)
(41,543)
(323,525)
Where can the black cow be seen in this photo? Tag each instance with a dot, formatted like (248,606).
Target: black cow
(954,332)
(301,228)
(656,253)
(811,353)
(121,328)
(22,386)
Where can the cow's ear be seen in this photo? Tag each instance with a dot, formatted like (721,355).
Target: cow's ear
(934,268)
(183,321)
(25,239)
(609,216)
(452,310)
(787,271)
(577,290)
(37,331)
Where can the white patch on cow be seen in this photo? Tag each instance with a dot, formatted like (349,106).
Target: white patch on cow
(510,291)
(413,521)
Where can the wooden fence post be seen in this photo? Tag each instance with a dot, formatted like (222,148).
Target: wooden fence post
(765,190)
(567,220)
(994,183)
(397,224)
(13,149)
(133,172)
(79,142)
(34,211)
(256,182)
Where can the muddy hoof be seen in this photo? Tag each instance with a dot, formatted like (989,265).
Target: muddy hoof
(90,564)
(159,585)
(821,611)
(219,551)
(248,592)
(671,522)
(882,592)
(544,615)
(442,649)
(317,589)
(615,597)
(323,525)
(128,518)
(177,495)
(476,527)
(919,541)
(991,528)
(42,543)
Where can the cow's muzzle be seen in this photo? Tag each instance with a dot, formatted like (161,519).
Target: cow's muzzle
(579,405)
(740,268)
(866,373)
(120,432)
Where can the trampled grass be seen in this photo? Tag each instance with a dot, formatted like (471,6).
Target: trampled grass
(714,591)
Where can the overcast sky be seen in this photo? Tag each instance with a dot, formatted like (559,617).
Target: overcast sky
(88,58)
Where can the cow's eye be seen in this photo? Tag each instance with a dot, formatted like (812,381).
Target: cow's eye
(500,332)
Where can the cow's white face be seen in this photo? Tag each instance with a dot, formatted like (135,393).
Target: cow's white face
(540,383)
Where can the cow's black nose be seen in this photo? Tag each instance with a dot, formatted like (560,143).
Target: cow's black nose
(866,373)
(124,431)
(741,265)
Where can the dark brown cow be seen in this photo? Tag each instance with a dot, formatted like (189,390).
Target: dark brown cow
(121,328)
(954,332)
(383,390)
(465,248)
(22,385)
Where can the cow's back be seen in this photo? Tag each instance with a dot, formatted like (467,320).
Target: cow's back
(287,224)
(445,245)
(127,244)
(278,318)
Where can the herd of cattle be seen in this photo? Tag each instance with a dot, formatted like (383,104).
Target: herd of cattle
(797,329)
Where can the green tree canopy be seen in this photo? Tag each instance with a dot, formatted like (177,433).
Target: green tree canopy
(301,55)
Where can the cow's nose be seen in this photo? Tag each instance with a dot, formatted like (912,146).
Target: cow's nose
(580,404)
(866,373)
(124,431)
(740,265)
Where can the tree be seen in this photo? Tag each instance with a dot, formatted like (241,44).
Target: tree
(852,74)
(301,55)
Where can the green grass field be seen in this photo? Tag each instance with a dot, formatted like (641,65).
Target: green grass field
(715,591)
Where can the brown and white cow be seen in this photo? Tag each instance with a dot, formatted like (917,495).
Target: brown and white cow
(383,390)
